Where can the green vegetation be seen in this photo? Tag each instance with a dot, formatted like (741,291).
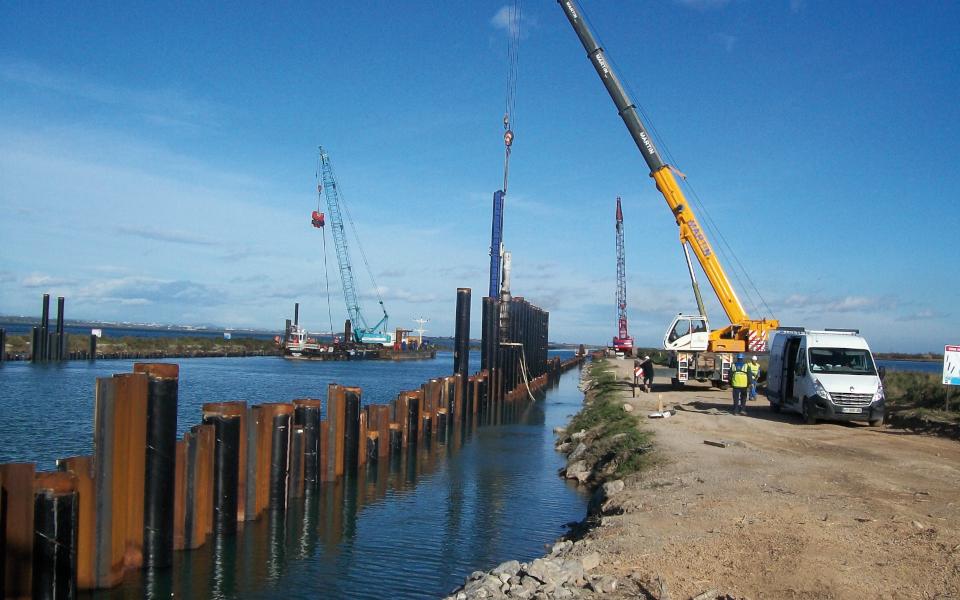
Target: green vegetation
(657,355)
(20,344)
(927,356)
(614,443)
(921,395)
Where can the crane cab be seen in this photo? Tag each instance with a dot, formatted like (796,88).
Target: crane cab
(689,333)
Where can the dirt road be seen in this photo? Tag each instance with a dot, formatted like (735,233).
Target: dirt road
(786,510)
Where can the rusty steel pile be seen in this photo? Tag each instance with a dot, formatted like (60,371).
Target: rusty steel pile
(144,494)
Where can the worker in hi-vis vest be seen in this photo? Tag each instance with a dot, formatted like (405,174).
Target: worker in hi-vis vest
(754,367)
(740,380)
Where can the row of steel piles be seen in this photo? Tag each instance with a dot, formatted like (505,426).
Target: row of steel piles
(97,516)
(143,494)
(46,345)
(503,354)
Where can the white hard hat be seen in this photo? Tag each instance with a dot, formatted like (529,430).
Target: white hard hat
(646,357)
(754,357)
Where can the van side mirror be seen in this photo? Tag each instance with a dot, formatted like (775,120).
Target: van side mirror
(882,372)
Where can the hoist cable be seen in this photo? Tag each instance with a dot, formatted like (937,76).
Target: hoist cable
(514,23)
(326,278)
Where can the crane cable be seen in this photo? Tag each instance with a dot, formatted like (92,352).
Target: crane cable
(724,246)
(323,232)
(326,277)
(514,20)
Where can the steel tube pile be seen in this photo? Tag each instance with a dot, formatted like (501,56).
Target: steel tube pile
(143,493)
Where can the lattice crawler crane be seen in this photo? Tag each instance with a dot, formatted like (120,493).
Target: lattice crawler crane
(622,342)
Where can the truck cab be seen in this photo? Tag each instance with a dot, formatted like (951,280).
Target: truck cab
(827,374)
(689,333)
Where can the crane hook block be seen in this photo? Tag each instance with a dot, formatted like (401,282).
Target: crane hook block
(317,219)
(508,138)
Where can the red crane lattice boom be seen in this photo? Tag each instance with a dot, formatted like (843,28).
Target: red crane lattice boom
(622,341)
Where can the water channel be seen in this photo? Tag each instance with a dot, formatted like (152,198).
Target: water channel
(408,529)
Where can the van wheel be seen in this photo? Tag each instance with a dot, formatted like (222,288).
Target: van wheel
(775,407)
(876,422)
(808,416)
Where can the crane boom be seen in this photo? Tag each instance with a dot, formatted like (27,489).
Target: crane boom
(623,341)
(691,233)
(329,188)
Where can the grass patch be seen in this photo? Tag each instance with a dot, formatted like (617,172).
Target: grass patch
(921,395)
(615,445)
(909,389)
(20,343)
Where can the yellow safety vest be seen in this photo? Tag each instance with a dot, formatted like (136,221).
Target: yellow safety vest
(754,368)
(738,377)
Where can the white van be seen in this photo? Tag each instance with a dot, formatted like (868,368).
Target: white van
(826,374)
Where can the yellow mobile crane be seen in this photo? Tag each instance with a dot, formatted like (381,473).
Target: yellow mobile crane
(689,336)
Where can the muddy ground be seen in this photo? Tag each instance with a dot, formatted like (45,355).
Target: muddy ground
(785,510)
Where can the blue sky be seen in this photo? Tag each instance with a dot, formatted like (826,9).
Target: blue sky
(157,161)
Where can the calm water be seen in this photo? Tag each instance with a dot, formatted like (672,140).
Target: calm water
(912,365)
(411,529)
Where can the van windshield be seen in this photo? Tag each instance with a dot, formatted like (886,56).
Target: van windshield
(843,361)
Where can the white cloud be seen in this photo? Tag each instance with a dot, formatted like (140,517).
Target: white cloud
(38,280)
(925,314)
(506,19)
(804,303)
(166,235)
(726,40)
(163,106)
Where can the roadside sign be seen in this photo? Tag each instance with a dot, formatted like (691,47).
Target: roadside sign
(951,365)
